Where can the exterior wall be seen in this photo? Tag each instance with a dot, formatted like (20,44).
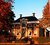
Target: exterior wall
(28,33)
(17,33)
(36,32)
(14,32)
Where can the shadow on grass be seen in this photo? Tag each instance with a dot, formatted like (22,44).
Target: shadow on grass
(43,39)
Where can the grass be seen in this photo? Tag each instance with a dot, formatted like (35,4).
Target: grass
(43,39)
(40,40)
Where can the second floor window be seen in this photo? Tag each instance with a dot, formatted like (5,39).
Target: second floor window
(23,24)
(17,26)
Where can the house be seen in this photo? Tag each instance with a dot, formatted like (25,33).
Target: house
(26,27)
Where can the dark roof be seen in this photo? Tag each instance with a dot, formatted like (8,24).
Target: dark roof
(30,18)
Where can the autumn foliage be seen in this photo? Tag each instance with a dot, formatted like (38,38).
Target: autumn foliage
(4,7)
(6,19)
(6,15)
(45,20)
(46,11)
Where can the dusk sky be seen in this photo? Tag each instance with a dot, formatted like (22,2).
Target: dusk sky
(27,7)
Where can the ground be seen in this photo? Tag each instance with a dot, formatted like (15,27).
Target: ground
(40,40)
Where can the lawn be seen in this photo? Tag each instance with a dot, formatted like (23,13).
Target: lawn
(42,39)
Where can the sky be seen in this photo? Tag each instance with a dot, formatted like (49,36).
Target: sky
(27,7)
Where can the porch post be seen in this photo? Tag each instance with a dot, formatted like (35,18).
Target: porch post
(45,32)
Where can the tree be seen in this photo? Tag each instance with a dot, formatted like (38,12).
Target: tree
(6,15)
(6,18)
(46,16)
(46,10)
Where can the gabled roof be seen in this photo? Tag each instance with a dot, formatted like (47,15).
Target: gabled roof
(30,18)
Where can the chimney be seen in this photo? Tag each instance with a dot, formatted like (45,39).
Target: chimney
(33,14)
(20,15)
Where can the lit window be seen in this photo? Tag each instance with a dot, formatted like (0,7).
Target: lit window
(30,33)
(17,33)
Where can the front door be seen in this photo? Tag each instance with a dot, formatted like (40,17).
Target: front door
(42,32)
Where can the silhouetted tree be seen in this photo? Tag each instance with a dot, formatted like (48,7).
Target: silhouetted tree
(6,18)
(6,15)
